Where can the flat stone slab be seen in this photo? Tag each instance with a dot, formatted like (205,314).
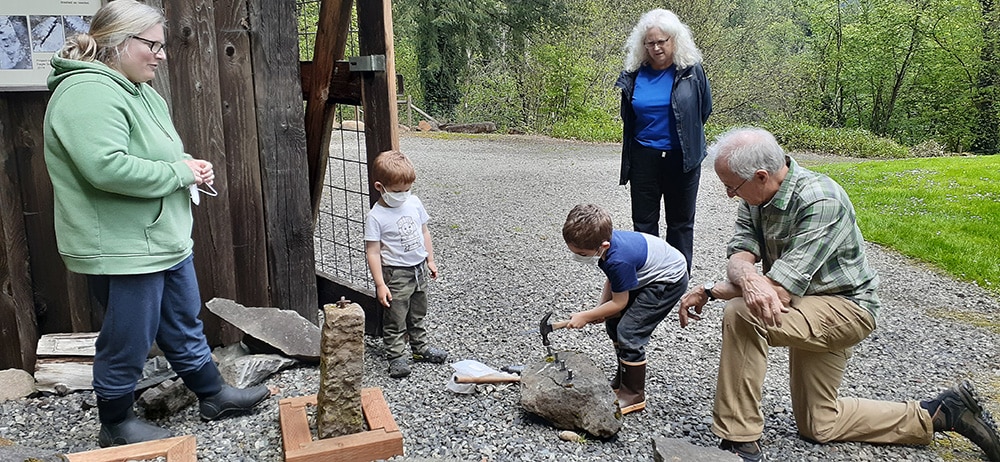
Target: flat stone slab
(282,330)
(678,450)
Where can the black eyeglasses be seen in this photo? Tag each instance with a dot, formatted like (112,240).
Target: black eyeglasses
(732,191)
(154,46)
(657,43)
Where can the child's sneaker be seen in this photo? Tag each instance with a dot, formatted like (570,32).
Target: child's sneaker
(398,368)
(431,355)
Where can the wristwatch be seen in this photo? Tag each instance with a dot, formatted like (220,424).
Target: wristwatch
(708,290)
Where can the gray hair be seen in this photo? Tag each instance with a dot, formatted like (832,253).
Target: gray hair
(110,27)
(686,54)
(748,149)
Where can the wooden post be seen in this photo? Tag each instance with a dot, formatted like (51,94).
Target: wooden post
(284,165)
(195,77)
(17,310)
(378,88)
(242,159)
(331,42)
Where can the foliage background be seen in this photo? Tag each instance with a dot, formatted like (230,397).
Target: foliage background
(908,72)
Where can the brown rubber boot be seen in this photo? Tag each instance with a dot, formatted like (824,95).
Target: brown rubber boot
(632,394)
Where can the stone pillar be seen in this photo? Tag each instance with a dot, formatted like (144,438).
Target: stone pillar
(342,359)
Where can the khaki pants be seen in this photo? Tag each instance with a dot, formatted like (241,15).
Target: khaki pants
(820,332)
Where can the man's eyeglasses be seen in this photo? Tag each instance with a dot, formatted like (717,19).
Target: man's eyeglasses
(657,43)
(732,191)
(154,46)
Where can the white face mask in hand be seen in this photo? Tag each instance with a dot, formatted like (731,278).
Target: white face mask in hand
(196,193)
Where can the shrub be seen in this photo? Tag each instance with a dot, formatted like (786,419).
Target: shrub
(847,142)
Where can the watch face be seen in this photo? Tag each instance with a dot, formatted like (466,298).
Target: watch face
(709,286)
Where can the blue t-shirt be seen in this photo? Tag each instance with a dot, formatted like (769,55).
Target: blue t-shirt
(655,125)
(636,260)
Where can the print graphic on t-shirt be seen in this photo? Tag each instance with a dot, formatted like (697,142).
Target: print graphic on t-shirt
(409,233)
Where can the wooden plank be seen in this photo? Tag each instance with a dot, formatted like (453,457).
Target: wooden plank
(176,449)
(378,88)
(239,130)
(295,433)
(63,376)
(282,147)
(331,41)
(364,446)
(17,309)
(195,77)
(345,86)
(377,412)
(78,344)
(161,83)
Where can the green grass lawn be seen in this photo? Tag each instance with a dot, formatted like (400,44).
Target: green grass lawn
(944,210)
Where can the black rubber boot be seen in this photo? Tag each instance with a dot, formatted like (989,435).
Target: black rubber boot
(616,382)
(632,394)
(231,401)
(217,400)
(119,425)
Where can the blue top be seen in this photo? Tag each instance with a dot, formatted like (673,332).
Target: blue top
(636,260)
(655,125)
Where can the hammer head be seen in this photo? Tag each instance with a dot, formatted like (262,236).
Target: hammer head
(544,327)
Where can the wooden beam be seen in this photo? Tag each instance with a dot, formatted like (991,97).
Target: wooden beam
(239,130)
(281,139)
(195,77)
(17,310)
(378,88)
(176,449)
(331,41)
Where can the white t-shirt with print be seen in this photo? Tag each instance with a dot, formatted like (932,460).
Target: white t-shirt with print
(400,230)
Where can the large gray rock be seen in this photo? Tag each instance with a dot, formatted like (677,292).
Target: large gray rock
(270,328)
(241,369)
(678,450)
(15,383)
(166,399)
(338,403)
(584,403)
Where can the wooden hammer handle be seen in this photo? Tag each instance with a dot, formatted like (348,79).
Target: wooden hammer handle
(559,324)
(491,378)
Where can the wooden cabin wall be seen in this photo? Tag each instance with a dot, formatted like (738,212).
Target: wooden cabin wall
(234,91)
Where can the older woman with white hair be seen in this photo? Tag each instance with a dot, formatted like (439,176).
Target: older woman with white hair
(666,101)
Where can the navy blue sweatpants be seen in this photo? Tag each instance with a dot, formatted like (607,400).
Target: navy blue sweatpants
(139,309)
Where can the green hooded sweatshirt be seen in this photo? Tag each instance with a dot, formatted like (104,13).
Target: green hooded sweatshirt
(118,174)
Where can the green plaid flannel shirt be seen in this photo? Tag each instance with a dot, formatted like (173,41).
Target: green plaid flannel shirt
(807,239)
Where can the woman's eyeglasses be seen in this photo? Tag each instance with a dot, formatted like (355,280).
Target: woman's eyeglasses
(154,46)
(657,43)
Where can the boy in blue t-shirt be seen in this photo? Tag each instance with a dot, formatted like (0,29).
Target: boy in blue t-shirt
(645,278)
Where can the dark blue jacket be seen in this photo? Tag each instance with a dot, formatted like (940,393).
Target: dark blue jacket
(691,102)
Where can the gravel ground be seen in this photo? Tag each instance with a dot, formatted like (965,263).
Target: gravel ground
(497,205)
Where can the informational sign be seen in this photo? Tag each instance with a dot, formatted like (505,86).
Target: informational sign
(31,32)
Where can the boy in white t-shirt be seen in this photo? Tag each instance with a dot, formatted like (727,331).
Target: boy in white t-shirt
(400,256)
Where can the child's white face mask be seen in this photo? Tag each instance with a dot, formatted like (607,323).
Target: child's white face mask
(395,199)
(586,259)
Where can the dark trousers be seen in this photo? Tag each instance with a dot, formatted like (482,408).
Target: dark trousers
(660,174)
(647,307)
(139,309)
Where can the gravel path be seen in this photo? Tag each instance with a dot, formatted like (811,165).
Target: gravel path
(497,205)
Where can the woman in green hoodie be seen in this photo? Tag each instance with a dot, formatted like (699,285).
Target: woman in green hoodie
(122,187)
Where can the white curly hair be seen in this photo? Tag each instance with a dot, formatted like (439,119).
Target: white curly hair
(686,54)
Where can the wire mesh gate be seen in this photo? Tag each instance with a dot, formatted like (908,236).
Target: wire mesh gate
(339,233)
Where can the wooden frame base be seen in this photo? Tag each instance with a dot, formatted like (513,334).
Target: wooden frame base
(176,449)
(382,441)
